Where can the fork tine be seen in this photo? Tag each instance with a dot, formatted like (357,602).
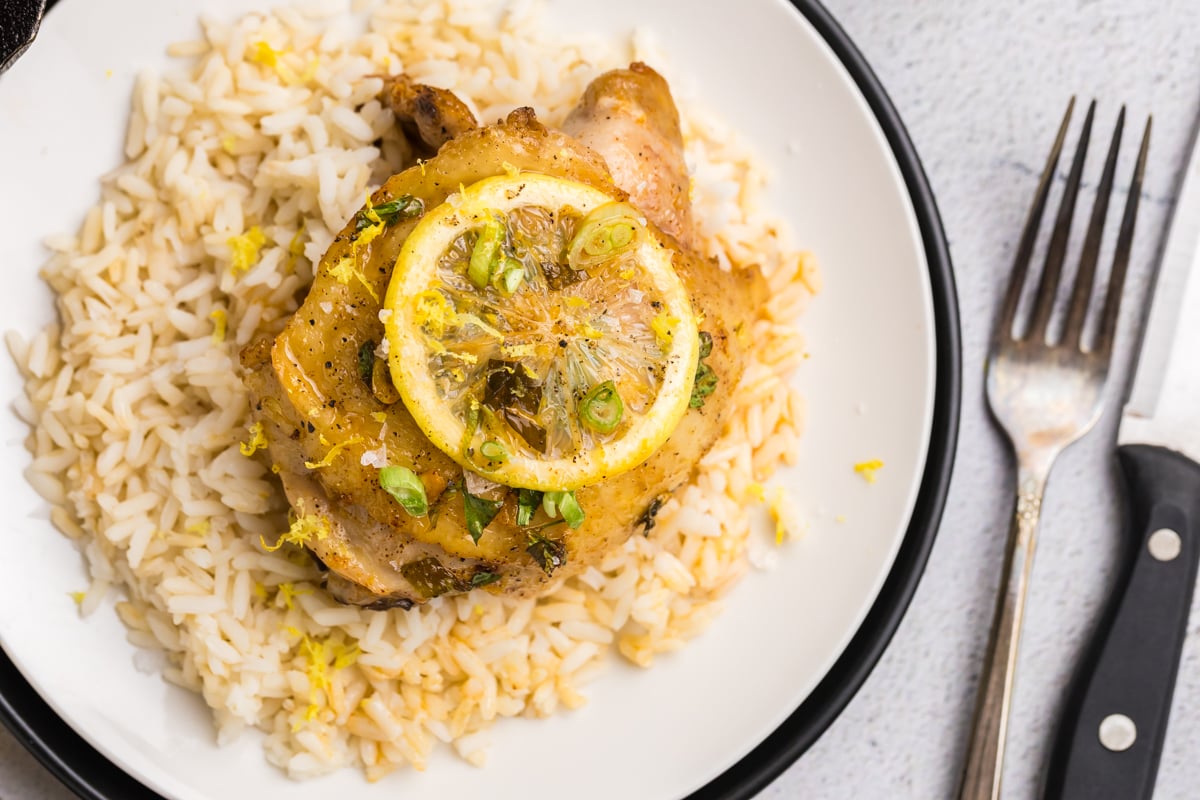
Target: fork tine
(1057,251)
(1008,311)
(1086,277)
(1116,282)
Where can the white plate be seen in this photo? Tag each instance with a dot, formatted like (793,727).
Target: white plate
(870,385)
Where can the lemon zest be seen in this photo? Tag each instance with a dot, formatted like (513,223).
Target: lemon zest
(292,630)
(200,526)
(591,333)
(867,469)
(227,143)
(303,530)
(577,302)
(431,311)
(259,591)
(347,270)
(264,54)
(757,491)
(295,247)
(319,656)
(379,416)
(288,593)
(78,597)
(512,170)
(310,71)
(244,250)
(333,451)
(344,656)
(777,514)
(220,324)
(626,274)
(663,326)
(257,441)
(369,232)
(276,469)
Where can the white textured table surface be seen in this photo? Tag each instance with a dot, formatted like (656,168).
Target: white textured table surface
(981,85)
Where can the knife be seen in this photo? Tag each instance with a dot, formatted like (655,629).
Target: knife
(1114,724)
(19,21)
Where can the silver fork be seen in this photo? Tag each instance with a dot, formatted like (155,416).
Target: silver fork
(1045,394)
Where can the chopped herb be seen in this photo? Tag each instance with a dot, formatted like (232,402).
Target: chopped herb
(548,553)
(517,399)
(431,578)
(602,409)
(647,519)
(705,382)
(406,486)
(479,513)
(403,207)
(484,578)
(528,501)
(366,361)
(564,503)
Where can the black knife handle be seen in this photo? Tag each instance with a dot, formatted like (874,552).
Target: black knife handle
(1130,666)
(19,21)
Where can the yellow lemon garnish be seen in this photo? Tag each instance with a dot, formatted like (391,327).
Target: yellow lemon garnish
(257,441)
(264,54)
(333,451)
(468,302)
(220,321)
(867,469)
(304,529)
(244,250)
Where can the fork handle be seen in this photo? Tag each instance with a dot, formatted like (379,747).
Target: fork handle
(985,755)
(1130,668)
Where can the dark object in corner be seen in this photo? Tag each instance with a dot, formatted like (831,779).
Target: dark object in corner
(19,21)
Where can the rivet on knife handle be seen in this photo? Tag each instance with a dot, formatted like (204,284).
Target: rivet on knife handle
(1115,722)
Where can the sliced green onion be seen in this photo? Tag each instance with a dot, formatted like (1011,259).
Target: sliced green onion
(479,513)
(705,344)
(405,206)
(493,450)
(528,501)
(607,231)
(509,276)
(405,485)
(601,408)
(564,503)
(485,255)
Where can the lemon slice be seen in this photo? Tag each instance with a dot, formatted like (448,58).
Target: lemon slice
(538,333)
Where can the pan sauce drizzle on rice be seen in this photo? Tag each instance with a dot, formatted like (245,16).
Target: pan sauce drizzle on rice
(243,165)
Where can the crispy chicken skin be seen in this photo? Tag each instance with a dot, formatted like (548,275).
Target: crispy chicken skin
(308,391)
(429,116)
(630,119)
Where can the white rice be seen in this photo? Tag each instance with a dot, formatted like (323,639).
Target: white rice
(137,410)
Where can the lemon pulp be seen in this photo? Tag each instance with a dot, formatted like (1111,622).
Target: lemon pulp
(511,303)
